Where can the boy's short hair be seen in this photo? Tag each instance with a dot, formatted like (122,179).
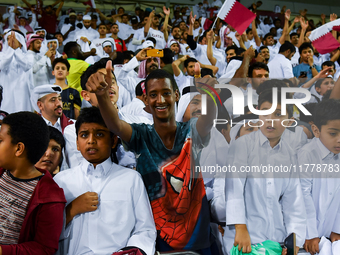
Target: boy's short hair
(267,35)
(293,34)
(89,115)
(270,84)
(91,70)
(319,82)
(93,115)
(168,56)
(232,47)
(31,130)
(267,96)
(102,24)
(207,71)
(61,60)
(57,136)
(186,62)
(325,111)
(58,33)
(304,46)
(160,74)
(328,63)
(257,66)
(287,46)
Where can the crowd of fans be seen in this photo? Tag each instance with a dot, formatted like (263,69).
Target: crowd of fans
(105,119)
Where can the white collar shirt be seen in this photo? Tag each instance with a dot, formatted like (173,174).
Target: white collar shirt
(263,201)
(321,188)
(123,218)
(56,125)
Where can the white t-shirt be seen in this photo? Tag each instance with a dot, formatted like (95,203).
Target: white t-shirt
(159,37)
(280,68)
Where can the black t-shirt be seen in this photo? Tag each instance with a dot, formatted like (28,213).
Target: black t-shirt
(71,100)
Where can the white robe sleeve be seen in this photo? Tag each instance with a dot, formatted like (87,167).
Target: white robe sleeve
(21,58)
(44,61)
(6,58)
(143,235)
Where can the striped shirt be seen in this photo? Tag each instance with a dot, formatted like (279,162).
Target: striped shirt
(15,195)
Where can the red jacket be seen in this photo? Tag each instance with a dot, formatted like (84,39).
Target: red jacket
(43,222)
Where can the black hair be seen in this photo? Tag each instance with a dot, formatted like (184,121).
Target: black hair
(293,34)
(91,70)
(127,54)
(174,28)
(267,35)
(102,24)
(287,46)
(160,74)
(186,62)
(320,81)
(31,130)
(69,47)
(240,51)
(138,89)
(58,33)
(263,47)
(57,136)
(304,46)
(207,71)
(61,60)
(93,115)
(325,111)
(269,84)
(248,30)
(119,60)
(167,56)
(257,66)
(94,17)
(328,63)
(151,39)
(267,96)
(311,108)
(232,47)
(124,15)
(120,8)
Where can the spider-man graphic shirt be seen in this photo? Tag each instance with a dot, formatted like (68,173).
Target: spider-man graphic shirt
(177,194)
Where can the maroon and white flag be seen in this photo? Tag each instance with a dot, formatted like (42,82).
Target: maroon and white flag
(236,15)
(334,25)
(323,40)
(90,3)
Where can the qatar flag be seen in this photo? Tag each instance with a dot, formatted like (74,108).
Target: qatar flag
(236,15)
(90,3)
(323,40)
(334,25)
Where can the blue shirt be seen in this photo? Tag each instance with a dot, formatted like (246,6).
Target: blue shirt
(304,68)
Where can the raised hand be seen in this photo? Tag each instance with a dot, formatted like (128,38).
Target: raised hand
(152,14)
(333,17)
(192,19)
(166,11)
(249,53)
(287,14)
(142,55)
(297,19)
(99,83)
(304,23)
(210,34)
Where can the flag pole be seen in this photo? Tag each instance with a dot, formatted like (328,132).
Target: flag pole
(214,22)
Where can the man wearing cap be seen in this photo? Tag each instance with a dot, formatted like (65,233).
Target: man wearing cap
(41,64)
(46,100)
(14,73)
(87,33)
(69,30)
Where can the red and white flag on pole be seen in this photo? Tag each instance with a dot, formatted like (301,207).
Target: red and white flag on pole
(90,3)
(236,15)
(323,40)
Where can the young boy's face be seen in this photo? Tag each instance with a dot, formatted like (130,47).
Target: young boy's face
(161,98)
(94,142)
(247,129)
(272,129)
(305,54)
(60,71)
(327,84)
(52,45)
(329,135)
(51,158)
(7,148)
